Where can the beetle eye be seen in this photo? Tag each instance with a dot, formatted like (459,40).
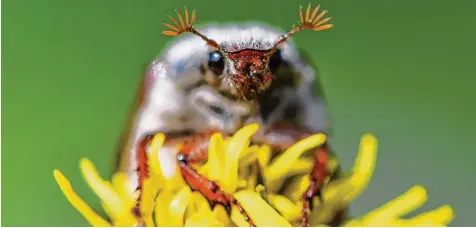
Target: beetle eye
(215,62)
(275,61)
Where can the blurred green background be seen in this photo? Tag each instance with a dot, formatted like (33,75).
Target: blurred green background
(403,70)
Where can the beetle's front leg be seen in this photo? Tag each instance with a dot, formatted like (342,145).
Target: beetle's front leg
(281,137)
(143,174)
(317,177)
(195,149)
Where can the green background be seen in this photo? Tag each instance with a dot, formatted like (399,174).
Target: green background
(403,70)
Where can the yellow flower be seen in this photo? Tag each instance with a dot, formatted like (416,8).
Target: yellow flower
(233,165)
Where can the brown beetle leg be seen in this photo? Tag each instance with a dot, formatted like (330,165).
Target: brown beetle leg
(282,136)
(194,150)
(317,178)
(143,173)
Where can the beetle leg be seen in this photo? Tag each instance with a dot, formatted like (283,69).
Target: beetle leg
(214,194)
(143,174)
(317,177)
(193,150)
(282,136)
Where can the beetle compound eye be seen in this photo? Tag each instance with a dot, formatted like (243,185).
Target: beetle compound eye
(275,61)
(216,62)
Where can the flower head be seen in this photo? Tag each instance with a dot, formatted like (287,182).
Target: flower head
(236,167)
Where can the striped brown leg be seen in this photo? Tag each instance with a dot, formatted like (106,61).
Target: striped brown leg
(195,149)
(143,173)
(274,136)
(317,176)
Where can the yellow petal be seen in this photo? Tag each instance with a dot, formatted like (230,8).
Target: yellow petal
(241,183)
(339,189)
(160,181)
(199,220)
(226,143)
(252,178)
(296,187)
(176,182)
(120,222)
(177,206)
(249,156)
(285,207)
(153,160)
(264,155)
(260,212)
(238,144)
(92,217)
(285,161)
(216,156)
(442,215)
(221,215)
(325,210)
(121,186)
(399,206)
(238,218)
(204,170)
(147,202)
(262,192)
(198,204)
(364,166)
(162,208)
(303,165)
(332,163)
(119,210)
(106,209)
(409,223)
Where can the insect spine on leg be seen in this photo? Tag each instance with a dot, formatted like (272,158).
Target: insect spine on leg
(212,192)
(143,174)
(317,177)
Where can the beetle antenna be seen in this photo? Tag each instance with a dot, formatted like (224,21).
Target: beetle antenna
(186,26)
(308,21)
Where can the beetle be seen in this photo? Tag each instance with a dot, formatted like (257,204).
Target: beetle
(218,79)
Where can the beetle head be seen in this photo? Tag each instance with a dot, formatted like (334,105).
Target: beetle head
(252,71)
